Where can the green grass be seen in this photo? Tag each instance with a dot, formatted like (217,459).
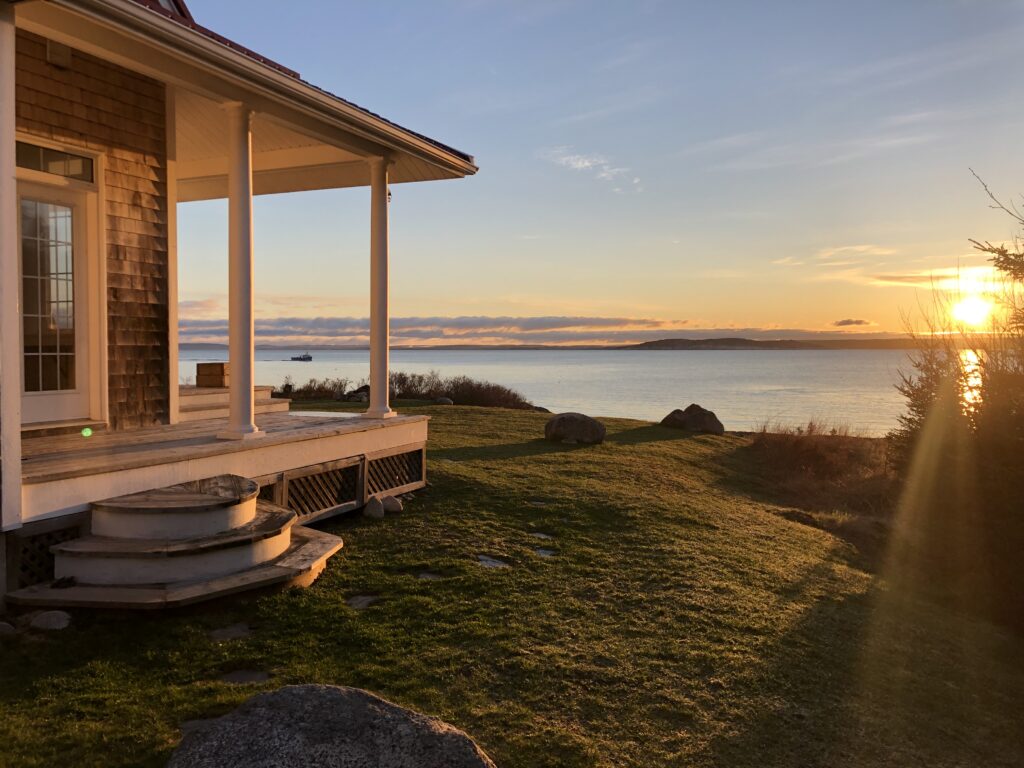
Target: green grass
(683,621)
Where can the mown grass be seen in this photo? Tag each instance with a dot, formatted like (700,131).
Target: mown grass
(683,621)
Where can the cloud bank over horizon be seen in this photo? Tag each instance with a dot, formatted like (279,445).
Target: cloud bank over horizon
(483,330)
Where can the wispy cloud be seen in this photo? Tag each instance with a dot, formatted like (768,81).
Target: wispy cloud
(599,166)
(764,157)
(727,143)
(636,98)
(850,322)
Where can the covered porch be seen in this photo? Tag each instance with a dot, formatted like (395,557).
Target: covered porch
(112,112)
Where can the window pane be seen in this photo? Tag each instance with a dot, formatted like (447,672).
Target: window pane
(66,341)
(49,382)
(31,373)
(66,377)
(29,257)
(30,296)
(29,156)
(29,215)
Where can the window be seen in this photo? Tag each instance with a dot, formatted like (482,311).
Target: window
(54,161)
(48,296)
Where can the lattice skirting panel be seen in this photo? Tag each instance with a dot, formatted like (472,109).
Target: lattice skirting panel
(29,560)
(324,490)
(394,473)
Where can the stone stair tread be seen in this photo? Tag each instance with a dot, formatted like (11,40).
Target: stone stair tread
(305,558)
(270,520)
(260,402)
(196,496)
(186,390)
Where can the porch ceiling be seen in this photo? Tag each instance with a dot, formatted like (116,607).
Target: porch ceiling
(303,138)
(284,159)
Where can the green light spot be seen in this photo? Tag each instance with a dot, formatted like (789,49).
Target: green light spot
(87,432)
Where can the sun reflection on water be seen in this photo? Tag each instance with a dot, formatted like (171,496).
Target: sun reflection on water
(971,387)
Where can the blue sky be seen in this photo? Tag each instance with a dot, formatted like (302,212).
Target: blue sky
(648,168)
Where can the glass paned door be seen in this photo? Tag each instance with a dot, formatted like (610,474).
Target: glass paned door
(52,339)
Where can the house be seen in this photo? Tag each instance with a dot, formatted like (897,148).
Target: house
(111,113)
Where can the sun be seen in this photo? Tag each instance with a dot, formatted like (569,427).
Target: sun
(972,311)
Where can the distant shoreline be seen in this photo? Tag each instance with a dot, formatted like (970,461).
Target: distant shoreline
(660,345)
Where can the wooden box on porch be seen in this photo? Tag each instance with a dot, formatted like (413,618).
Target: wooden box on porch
(212,374)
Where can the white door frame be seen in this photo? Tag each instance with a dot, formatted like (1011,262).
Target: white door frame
(88,202)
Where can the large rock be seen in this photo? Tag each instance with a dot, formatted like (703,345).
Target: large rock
(574,428)
(443,401)
(374,509)
(694,419)
(302,726)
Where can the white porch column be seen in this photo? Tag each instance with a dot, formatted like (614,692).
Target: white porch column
(241,335)
(10,306)
(379,320)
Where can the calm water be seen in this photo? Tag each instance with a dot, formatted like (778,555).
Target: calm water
(745,388)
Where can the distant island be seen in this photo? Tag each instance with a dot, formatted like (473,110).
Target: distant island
(901,342)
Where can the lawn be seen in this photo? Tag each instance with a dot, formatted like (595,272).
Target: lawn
(683,619)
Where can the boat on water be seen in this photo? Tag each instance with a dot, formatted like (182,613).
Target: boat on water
(303,358)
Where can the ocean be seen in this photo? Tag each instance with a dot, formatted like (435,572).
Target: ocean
(745,388)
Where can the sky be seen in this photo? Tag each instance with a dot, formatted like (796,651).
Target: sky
(648,168)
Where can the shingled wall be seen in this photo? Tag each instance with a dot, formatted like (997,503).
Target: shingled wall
(105,108)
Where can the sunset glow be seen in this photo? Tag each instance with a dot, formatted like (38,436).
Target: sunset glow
(972,311)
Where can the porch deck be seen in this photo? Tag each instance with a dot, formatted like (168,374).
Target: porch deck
(63,474)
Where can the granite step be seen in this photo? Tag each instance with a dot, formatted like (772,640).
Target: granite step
(299,566)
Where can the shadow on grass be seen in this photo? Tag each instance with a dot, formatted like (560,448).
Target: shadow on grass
(537,447)
(652,433)
(824,506)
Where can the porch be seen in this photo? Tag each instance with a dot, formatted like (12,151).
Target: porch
(317,464)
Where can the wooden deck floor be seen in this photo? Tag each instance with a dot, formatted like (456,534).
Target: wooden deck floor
(45,459)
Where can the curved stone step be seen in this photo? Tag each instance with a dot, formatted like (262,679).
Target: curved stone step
(104,560)
(300,564)
(185,511)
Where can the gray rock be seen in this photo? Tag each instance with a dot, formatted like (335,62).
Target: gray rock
(391,504)
(539,535)
(245,677)
(361,602)
(374,509)
(545,552)
(492,562)
(444,401)
(326,727)
(694,419)
(230,632)
(51,620)
(7,629)
(574,428)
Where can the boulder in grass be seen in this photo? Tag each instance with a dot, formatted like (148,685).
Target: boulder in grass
(443,401)
(694,419)
(329,727)
(574,428)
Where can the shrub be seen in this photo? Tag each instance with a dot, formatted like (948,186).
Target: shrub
(462,390)
(825,467)
(317,389)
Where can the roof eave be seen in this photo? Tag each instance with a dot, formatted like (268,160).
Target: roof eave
(138,20)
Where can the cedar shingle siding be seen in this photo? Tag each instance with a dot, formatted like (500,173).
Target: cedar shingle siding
(102,107)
